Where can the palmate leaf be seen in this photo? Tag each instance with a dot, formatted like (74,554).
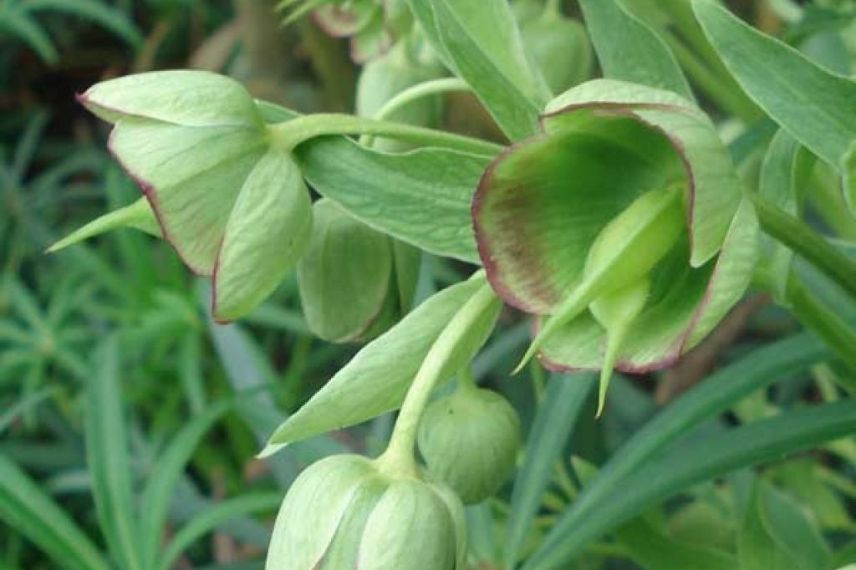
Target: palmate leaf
(812,104)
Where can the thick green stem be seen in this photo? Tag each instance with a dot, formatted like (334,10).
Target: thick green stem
(399,454)
(289,134)
(807,243)
(822,320)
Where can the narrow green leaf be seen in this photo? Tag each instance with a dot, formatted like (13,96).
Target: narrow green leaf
(653,549)
(629,50)
(575,528)
(212,518)
(101,13)
(108,460)
(848,183)
(811,103)
(480,42)
(564,399)
(377,378)
(25,507)
(794,529)
(165,476)
(756,549)
(19,24)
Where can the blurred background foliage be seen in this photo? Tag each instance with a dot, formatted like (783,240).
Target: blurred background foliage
(129,422)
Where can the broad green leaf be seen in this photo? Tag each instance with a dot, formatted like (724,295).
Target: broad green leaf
(108,460)
(179,97)
(629,50)
(794,530)
(756,549)
(267,231)
(586,519)
(783,175)
(564,399)
(421,197)
(812,104)
(848,169)
(480,42)
(138,215)
(378,377)
(653,549)
(165,475)
(25,507)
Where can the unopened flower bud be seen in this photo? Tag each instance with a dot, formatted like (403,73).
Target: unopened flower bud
(469,440)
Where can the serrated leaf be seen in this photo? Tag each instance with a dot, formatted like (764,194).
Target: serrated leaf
(812,104)
(378,377)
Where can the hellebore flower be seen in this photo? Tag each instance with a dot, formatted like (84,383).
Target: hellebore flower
(233,206)
(372,25)
(355,282)
(347,512)
(469,440)
(622,227)
(559,46)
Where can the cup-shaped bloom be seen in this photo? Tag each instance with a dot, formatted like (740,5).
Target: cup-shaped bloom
(346,513)
(233,206)
(355,282)
(470,439)
(622,227)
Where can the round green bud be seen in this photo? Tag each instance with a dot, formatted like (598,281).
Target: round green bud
(346,513)
(354,281)
(469,440)
(560,48)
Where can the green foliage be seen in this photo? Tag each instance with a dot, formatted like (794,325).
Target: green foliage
(622,213)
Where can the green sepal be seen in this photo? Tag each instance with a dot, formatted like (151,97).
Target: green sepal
(345,276)
(138,215)
(180,97)
(266,233)
(683,306)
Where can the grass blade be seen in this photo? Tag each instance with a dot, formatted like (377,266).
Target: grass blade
(715,395)
(563,401)
(25,507)
(107,458)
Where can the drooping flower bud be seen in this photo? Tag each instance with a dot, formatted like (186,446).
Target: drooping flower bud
(560,48)
(355,282)
(470,440)
(233,206)
(623,227)
(347,512)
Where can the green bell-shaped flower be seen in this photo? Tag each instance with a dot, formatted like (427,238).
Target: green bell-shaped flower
(469,440)
(355,282)
(347,512)
(233,206)
(623,228)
